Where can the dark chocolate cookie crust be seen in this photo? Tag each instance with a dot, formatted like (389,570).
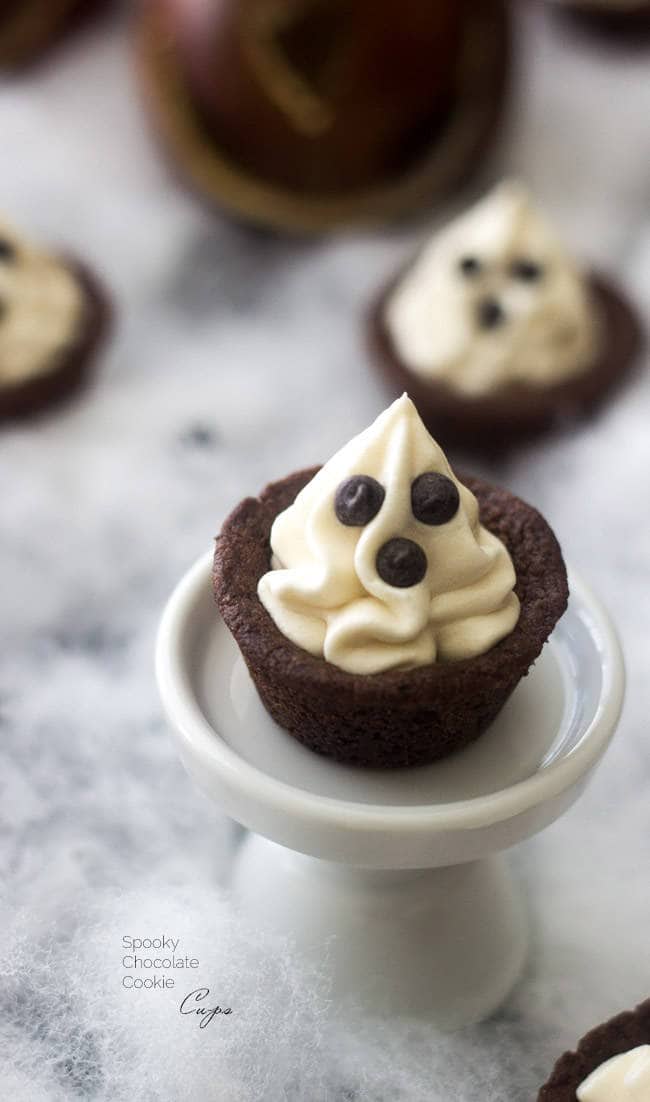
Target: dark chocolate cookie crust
(64,378)
(515,411)
(396,718)
(620,1034)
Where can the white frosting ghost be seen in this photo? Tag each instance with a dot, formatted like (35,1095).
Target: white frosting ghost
(41,308)
(325,592)
(624,1078)
(493,299)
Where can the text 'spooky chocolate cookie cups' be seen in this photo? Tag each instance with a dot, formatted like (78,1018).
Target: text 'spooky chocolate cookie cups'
(586,1074)
(385,610)
(494,331)
(53,315)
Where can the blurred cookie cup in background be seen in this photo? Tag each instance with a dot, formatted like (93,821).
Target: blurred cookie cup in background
(496,331)
(54,314)
(610,1064)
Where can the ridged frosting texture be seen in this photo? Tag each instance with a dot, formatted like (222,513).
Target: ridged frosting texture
(494,298)
(41,306)
(325,593)
(624,1078)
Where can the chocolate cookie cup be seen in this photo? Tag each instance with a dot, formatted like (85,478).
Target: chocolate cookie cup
(618,1035)
(65,375)
(518,410)
(397,717)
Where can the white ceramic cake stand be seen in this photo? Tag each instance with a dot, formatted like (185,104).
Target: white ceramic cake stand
(393,880)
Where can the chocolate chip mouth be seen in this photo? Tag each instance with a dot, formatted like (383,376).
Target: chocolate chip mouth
(490,313)
(401,563)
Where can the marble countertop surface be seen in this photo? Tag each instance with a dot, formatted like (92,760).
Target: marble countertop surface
(236,356)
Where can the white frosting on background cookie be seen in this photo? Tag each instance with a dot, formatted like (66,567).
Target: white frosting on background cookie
(325,592)
(624,1078)
(494,298)
(41,308)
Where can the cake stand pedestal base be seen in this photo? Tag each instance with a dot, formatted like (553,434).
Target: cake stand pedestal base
(446,944)
(393,880)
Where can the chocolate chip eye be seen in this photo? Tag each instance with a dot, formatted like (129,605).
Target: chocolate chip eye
(469,265)
(434,498)
(527,270)
(401,563)
(358,500)
(490,313)
(7,251)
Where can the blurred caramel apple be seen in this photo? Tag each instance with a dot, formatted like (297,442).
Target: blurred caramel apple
(322,95)
(312,113)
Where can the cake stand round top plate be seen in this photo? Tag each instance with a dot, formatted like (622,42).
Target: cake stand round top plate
(517,778)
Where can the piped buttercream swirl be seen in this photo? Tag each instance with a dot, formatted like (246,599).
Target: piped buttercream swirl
(327,589)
